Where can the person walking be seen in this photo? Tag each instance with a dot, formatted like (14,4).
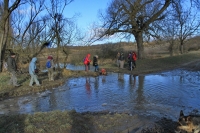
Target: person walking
(32,68)
(95,63)
(51,67)
(12,69)
(87,62)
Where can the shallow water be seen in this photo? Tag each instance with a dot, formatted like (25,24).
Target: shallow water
(161,94)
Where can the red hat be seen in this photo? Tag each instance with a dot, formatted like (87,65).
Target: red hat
(50,57)
(88,55)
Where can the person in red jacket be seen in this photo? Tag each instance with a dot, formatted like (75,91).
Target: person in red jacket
(134,55)
(87,62)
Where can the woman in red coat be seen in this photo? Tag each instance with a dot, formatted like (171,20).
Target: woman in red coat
(134,58)
(87,62)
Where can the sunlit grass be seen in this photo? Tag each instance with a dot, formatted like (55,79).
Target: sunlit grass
(4,78)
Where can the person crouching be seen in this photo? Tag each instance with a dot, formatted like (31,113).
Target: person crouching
(103,72)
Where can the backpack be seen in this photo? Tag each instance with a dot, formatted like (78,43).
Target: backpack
(48,64)
(121,56)
(84,59)
(134,56)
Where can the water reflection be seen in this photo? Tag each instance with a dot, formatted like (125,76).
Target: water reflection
(157,94)
(132,81)
(140,98)
(87,86)
(96,83)
(103,79)
(120,76)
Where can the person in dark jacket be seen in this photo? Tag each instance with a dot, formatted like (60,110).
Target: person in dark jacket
(95,63)
(12,69)
(32,68)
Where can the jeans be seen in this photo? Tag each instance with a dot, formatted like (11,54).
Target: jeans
(96,68)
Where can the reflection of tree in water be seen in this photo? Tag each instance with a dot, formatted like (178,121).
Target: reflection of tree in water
(140,99)
(87,86)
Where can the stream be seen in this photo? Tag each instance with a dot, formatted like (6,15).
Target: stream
(161,94)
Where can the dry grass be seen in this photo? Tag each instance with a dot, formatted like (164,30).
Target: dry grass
(157,64)
(73,122)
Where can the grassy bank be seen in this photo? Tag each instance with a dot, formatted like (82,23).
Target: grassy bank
(188,60)
(73,122)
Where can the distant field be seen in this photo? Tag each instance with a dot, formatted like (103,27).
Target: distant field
(107,52)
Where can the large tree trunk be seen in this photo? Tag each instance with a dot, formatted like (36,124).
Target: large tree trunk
(140,46)
(182,51)
(5,25)
(4,31)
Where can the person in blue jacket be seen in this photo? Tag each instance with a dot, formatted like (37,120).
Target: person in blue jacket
(32,72)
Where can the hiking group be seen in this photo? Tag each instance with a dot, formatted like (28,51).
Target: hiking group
(12,67)
(87,61)
(132,57)
(33,71)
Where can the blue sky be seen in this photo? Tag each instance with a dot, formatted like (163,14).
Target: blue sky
(88,10)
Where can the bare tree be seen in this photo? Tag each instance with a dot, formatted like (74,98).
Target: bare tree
(133,17)
(63,30)
(168,33)
(5,25)
(28,24)
(187,23)
(16,23)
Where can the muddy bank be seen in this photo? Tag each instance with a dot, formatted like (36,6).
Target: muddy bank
(60,77)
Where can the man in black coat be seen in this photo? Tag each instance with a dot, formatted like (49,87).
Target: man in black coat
(12,68)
